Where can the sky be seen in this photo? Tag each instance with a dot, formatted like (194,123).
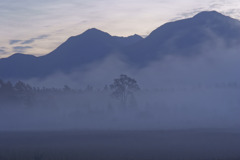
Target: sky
(37,27)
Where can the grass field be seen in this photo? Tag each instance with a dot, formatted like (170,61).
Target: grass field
(121,145)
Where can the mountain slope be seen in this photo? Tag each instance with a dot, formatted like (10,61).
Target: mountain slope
(77,51)
(187,38)
(18,66)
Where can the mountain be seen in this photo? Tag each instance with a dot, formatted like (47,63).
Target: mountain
(86,48)
(18,66)
(187,38)
(77,51)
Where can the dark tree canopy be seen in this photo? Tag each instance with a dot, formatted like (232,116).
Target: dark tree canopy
(123,87)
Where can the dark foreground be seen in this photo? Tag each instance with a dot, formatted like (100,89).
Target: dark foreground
(121,145)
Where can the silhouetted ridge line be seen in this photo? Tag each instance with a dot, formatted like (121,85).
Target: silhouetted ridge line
(186,38)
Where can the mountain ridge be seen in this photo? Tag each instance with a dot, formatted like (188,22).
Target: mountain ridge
(185,37)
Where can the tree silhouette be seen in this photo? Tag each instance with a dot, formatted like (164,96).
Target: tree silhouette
(123,87)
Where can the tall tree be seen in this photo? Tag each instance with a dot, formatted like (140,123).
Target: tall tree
(123,87)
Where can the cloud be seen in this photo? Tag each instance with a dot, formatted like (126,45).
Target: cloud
(21,48)
(29,41)
(29,18)
(189,14)
(11,42)
(2,51)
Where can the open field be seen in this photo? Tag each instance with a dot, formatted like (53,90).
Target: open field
(194,144)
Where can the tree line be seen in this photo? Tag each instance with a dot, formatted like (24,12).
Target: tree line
(122,88)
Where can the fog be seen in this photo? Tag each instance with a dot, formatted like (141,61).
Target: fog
(176,92)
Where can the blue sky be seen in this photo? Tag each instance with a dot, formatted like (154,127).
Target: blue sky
(39,26)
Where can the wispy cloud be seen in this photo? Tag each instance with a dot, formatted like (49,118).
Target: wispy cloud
(21,48)
(29,41)
(2,51)
(11,42)
(22,20)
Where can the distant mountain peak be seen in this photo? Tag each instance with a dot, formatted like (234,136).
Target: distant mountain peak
(17,55)
(209,15)
(136,36)
(204,13)
(95,32)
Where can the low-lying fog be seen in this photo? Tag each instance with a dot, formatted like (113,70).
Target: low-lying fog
(176,92)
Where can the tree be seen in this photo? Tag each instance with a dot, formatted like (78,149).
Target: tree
(124,87)
(22,87)
(6,90)
(66,88)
